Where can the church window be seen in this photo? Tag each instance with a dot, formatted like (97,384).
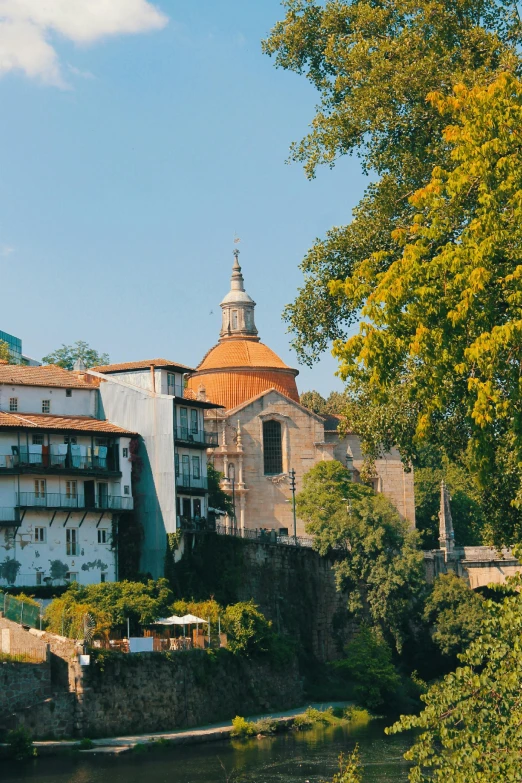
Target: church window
(272,447)
(234,319)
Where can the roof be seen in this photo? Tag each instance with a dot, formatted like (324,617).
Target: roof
(277,391)
(242,353)
(331,421)
(144,364)
(48,375)
(41,421)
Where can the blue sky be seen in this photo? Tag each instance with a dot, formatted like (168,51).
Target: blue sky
(128,163)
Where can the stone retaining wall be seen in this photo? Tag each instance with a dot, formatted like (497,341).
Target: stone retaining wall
(23,685)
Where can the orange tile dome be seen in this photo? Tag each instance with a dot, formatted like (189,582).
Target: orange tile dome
(235,370)
(240,367)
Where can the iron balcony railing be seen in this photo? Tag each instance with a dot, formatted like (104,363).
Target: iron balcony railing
(191,482)
(23,458)
(203,437)
(73,500)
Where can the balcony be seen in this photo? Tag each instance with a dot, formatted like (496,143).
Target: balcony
(191,485)
(9,517)
(175,389)
(73,501)
(59,460)
(198,438)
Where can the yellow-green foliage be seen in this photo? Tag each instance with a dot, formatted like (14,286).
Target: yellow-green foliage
(311,716)
(65,617)
(204,609)
(350,770)
(357,716)
(242,727)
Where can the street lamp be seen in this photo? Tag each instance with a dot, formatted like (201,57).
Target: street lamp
(232,478)
(292,487)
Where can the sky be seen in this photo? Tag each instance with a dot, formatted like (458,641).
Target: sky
(137,139)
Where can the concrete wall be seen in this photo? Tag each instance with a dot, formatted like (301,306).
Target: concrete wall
(155,498)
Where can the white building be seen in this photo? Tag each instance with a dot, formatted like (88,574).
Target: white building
(65,478)
(149,397)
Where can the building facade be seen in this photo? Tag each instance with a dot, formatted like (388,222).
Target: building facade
(263,430)
(65,479)
(172,489)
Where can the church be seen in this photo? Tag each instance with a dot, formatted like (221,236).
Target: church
(264,434)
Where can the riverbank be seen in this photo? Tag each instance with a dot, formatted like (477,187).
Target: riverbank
(195,736)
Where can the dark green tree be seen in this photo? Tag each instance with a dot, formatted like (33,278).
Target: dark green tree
(381,567)
(217,498)
(454,613)
(67,355)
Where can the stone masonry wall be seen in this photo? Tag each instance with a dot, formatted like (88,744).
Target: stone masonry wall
(22,685)
(294,587)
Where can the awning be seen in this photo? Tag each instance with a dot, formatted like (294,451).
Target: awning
(187,619)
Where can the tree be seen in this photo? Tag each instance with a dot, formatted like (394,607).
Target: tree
(5,353)
(454,613)
(380,567)
(217,498)
(368,662)
(115,602)
(471,726)
(334,403)
(443,320)
(248,630)
(67,355)
(373,64)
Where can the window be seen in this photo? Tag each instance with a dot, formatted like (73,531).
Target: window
(103,576)
(102,536)
(39,578)
(272,447)
(101,442)
(196,505)
(103,496)
(234,319)
(39,488)
(196,469)
(71,490)
(68,392)
(125,452)
(46,406)
(126,489)
(193,421)
(72,439)
(176,463)
(71,542)
(72,576)
(183,421)
(13,403)
(38,440)
(39,535)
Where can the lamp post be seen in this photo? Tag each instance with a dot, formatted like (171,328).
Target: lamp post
(232,478)
(292,487)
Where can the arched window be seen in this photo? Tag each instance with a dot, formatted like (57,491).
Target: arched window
(272,447)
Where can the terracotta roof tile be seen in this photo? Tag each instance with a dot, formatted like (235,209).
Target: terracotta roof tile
(23,421)
(48,375)
(142,365)
(233,387)
(241,353)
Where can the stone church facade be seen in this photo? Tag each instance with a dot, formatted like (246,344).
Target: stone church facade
(263,430)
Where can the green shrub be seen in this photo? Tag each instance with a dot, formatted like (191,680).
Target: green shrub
(242,727)
(302,722)
(350,770)
(266,726)
(369,663)
(20,744)
(357,716)
(85,744)
(248,630)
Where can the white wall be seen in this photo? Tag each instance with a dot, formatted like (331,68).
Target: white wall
(92,560)
(82,402)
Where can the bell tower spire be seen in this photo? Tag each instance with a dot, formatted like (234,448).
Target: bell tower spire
(238,309)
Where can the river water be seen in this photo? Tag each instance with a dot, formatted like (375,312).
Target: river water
(295,757)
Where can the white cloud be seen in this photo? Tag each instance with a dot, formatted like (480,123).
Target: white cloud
(5,250)
(81,74)
(26,27)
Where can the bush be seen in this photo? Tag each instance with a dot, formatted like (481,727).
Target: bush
(20,744)
(242,727)
(369,663)
(85,744)
(266,726)
(248,630)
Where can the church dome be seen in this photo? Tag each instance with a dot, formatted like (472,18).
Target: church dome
(240,367)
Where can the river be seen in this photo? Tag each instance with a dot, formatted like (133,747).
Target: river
(295,757)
